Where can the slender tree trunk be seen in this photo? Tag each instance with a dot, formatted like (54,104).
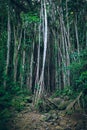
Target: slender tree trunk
(68,45)
(63,48)
(59,74)
(86,38)
(55,58)
(31,67)
(62,73)
(23,62)
(67,63)
(45,44)
(56,64)
(40,91)
(8,44)
(48,64)
(38,57)
(68,30)
(76,31)
(17,45)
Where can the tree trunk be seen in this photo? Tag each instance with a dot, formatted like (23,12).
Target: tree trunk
(86,38)
(76,31)
(17,45)
(8,44)
(63,48)
(23,62)
(68,30)
(38,57)
(40,91)
(31,67)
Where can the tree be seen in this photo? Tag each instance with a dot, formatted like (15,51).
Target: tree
(40,45)
(39,92)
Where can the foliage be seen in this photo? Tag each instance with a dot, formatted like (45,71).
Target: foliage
(18,103)
(78,71)
(61,28)
(57,93)
(11,99)
(67,91)
(5,104)
(82,81)
(30,18)
(79,75)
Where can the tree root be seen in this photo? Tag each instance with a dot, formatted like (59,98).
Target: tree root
(72,105)
(48,101)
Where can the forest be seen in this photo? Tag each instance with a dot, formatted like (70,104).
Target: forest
(43,64)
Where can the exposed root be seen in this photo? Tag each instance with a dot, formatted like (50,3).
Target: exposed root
(50,103)
(72,105)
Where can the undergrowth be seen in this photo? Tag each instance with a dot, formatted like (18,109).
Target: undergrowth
(11,100)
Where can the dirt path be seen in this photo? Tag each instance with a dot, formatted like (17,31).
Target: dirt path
(28,121)
(32,120)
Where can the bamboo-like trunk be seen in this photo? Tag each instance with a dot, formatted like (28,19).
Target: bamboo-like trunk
(86,38)
(55,82)
(17,45)
(31,67)
(23,63)
(59,74)
(68,28)
(8,43)
(63,48)
(40,91)
(38,57)
(45,48)
(63,75)
(76,31)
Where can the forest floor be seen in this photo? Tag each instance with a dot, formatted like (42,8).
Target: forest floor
(31,119)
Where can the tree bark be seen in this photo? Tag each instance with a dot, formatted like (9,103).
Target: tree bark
(76,31)
(8,43)
(40,91)
(17,45)
(38,57)
(23,62)
(31,68)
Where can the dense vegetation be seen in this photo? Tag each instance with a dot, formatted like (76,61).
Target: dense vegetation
(43,50)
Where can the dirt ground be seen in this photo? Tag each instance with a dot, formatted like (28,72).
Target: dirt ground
(54,120)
